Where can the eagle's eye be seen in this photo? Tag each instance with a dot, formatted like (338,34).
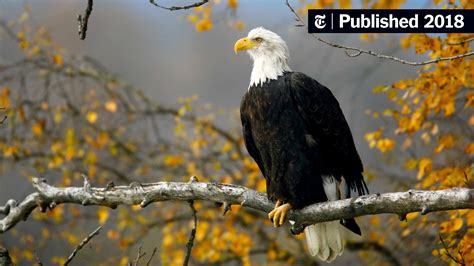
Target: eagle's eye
(259,40)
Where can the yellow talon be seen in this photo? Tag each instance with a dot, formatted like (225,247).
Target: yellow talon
(272,213)
(278,215)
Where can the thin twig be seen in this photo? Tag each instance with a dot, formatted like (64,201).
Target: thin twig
(83,21)
(139,256)
(5,117)
(173,8)
(151,257)
(82,244)
(192,235)
(358,51)
(447,253)
(38,260)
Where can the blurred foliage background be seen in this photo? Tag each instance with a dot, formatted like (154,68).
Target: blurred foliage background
(71,111)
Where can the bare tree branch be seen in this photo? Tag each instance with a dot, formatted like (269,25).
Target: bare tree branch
(399,203)
(174,8)
(447,253)
(5,117)
(151,257)
(192,235)
(83,21)
(357,51)
(5,257)
(139,256)
(82,244)
(37,259)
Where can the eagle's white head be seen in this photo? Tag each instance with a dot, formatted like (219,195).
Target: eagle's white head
(269,53)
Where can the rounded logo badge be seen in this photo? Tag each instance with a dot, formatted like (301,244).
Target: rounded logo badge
(319,21)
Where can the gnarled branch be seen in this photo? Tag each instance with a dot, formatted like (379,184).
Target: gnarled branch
(5,258)
(82,244)
(400,203)
(84,20)
(174,8)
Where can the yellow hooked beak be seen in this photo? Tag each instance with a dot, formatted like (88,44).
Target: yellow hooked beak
(244,44)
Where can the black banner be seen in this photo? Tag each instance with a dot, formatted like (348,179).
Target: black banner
(391,20)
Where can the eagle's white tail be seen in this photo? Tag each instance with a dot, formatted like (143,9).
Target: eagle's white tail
(324,239)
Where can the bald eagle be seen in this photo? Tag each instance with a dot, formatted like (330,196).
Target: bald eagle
(295,130)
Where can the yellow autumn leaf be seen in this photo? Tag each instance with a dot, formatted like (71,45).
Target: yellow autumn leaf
(412,215)
(102,140)
(92,117)
(469,149)
(136,207)
(193,18)
(4,97)
(380,88)
(364,36)
(58,59)
(35,51)
(449,108)
(227,147)
(44,106)
(124,261)
(45,233)
(113,235)
(406,232)
(261,185)
(240,25)
(91,158)
(385,145)
(425,137)
(452,225)
(405,42)
(24,44)
(57,116)
(102,215)
(374,220)
(27,254)
(469,100)
(58,260)
(37,129)
(272,255)
(345,4)
(232,4)
(173,160)
(411,164)
(71,238)
(446,141)
(425,165)
(111,106)
(20,35)
(204,25)
(168,240)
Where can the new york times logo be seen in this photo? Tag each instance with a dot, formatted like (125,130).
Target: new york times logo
(319,21)
(391,21)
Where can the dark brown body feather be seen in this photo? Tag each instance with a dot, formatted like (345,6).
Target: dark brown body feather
(295,130)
